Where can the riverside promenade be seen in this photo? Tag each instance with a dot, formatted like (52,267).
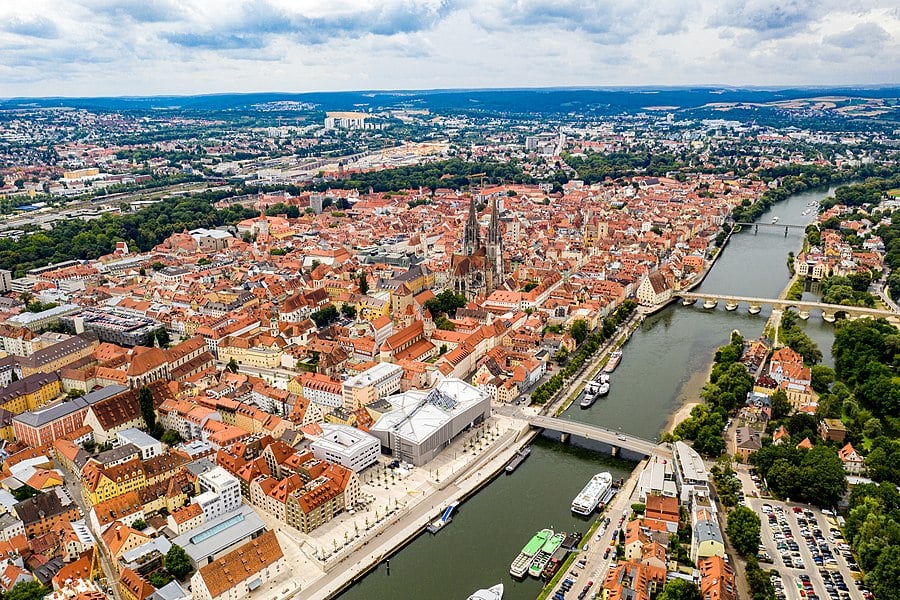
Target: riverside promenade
(329,577)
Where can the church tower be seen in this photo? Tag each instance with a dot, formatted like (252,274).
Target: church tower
(494,249)
(471,234)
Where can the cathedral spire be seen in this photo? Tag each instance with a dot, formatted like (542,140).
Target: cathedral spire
(471,235)
(494,229)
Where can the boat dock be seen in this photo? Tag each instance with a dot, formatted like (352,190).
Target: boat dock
(445,518)
(610,493)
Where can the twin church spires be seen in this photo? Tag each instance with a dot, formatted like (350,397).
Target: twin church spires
(482,271)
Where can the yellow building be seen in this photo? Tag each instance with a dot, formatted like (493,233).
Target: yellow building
(102,484)
(52,358)
(81,173)
(370,308)
(257,351)
(30,393)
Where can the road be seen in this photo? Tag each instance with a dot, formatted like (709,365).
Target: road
(589,368)
(73,487)
(597,566)
(601,434)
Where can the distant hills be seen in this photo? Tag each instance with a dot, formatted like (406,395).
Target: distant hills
(511,101)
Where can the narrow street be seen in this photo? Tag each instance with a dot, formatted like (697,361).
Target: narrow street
(73,488)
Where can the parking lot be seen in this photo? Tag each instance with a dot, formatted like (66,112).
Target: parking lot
(807,549)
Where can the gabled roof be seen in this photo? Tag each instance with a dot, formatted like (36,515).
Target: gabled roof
(241,564)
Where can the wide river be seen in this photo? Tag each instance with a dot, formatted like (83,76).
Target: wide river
(665,364)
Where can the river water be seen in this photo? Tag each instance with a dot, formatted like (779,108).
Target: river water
(665,364)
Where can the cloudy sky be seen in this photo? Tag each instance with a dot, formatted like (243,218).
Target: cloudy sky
(142,47)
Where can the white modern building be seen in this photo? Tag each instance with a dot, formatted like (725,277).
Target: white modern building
(147,446)
(657,478)
(372,384)
(346,446)
(220,493)
(690,473)
(421,423)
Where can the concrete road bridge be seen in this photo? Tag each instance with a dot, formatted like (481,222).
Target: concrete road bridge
(615,440)
(829,311)
(775,225)
(786,226)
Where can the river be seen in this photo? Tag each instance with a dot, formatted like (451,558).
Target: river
(665,364)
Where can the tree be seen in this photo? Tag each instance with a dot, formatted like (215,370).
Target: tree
(363,283)
(872,427)
(579,330)
(680,589)
(24,492)
(743,530)
(446,302)
(349,311)
(139,524)
(145,399)
(26,590)
(171,437)
(561,355)
(822,378)
(324,316)
(232,365)
(177,562)
(781,406)
(886,574)
(162,337)
(159,579)
(709,441)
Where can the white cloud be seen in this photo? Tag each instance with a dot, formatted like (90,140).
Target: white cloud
(130,47)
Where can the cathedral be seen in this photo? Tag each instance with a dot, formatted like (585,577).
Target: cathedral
(478,271)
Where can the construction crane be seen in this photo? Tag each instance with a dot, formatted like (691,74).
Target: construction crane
(480,175)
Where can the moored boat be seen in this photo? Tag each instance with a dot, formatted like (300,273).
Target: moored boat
(522,562)
(604,389)
(518,459)
(591,391)
(614,359)
(590,496)
(492,593)
(551,568)
(545,554)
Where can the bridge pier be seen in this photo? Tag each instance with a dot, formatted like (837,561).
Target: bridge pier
(614,450)
(564,437)
(756,229)
(828,317)
(785,231)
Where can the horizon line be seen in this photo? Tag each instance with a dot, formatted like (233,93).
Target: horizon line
(599,88)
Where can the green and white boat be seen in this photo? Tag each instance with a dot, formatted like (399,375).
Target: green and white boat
(520,565)
(545,554)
